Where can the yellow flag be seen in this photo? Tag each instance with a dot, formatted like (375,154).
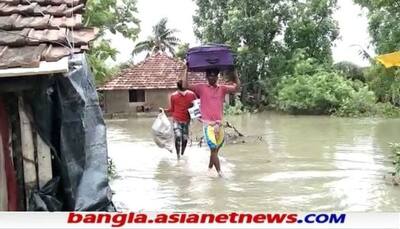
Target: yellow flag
(390,59)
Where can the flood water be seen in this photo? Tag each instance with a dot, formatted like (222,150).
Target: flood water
(293,163)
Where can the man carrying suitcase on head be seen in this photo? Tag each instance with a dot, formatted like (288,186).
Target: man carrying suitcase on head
(212,98)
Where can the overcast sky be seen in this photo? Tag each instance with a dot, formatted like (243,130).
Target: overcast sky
(352,22)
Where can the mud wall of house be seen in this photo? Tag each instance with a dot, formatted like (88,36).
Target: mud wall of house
(158,98)
(116,101)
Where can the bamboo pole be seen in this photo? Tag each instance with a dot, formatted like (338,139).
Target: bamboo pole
(28,152)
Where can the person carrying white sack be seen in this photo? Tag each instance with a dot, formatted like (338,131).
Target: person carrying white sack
(162,130)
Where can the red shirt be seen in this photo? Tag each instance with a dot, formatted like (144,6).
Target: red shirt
(180,104)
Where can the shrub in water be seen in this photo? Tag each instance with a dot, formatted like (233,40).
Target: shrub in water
(236,109)
(361,102)
(320,93)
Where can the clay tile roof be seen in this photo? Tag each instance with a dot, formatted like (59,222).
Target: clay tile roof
(158,71)
(41,30)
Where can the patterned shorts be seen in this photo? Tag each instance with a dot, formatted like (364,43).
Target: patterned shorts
(181,130)
(214,136)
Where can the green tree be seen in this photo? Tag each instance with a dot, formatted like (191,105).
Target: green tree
(384,28)
(265,34)
(209,18)
(250,28)
(385,83)
(109,16)
(319,93)
(350,70)
(312,28)
(162,39)
(97,58)
(182,50)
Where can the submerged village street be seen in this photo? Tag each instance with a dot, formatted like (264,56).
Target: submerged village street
(302,163)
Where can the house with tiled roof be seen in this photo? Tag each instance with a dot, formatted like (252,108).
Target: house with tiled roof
(146,86)
(53,149)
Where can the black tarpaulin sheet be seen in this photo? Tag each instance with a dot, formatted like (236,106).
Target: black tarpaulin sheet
(67,115)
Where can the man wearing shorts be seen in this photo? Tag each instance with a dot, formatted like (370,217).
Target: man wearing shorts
(212,97)
(180,102)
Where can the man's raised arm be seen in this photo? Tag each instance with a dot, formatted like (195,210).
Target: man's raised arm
(184,78)
(185,81)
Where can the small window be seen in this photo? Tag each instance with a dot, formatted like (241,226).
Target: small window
(136,96)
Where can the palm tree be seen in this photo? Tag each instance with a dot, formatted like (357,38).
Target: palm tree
(363,52)
(162,39)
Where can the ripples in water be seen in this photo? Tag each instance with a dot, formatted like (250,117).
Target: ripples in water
(304,163)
